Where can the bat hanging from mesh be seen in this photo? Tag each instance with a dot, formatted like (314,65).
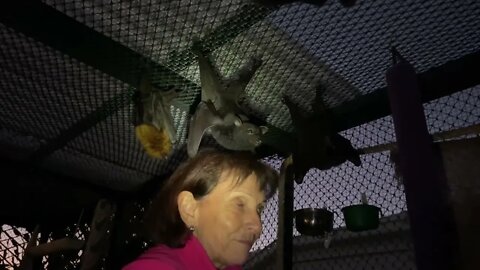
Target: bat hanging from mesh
(152,118)
(219,113)
(317,145)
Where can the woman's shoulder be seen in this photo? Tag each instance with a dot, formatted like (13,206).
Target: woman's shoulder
(155,258)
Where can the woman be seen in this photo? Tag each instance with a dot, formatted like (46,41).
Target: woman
(207,215)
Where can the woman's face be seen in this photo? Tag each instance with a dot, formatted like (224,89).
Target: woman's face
(228,219)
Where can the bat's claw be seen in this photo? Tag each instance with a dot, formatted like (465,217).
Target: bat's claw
(230,119)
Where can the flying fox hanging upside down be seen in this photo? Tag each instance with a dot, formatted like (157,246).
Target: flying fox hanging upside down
(152,118)
(219,113)
(317,145)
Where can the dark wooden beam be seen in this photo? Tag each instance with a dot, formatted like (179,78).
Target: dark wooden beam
(55,29)
(437,82)
(107,109)
(63,33)
(246,17)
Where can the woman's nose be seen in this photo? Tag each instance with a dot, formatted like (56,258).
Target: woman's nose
(254,225)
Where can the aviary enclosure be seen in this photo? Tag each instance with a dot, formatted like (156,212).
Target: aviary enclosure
(377,103)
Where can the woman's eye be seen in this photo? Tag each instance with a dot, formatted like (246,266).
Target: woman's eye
(240,204)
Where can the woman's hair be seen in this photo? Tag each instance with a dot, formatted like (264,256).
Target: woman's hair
(200,175)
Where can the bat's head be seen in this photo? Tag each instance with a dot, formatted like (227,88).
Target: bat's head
(249,134)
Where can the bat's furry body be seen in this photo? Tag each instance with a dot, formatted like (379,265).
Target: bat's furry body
(219,114)
(317,146)
(153,122)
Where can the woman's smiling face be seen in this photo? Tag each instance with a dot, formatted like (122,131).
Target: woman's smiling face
(227,220)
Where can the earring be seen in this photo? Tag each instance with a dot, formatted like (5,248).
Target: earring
(191,228)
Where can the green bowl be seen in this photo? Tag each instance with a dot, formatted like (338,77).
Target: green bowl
(361,217)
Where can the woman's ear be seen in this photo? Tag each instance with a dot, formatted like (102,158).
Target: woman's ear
(187,205)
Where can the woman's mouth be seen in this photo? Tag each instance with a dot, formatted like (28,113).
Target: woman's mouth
(246,242)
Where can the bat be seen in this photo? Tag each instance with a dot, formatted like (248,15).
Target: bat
(152,118)
(219,113)
(317,145)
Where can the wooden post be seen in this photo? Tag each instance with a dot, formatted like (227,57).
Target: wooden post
(425,188)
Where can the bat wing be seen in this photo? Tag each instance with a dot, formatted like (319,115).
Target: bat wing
(209,78)
(298,117)
(203,119)
(239,81)
(162,118)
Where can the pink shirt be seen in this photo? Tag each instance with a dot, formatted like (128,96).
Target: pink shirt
(162,257)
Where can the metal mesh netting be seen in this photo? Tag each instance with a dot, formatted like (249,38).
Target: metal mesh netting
(13,241)
(300,43)
(55,96)
(47,90)
(390,246)
(76,119)
(71,259)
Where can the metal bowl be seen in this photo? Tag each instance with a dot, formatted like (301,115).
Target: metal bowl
(313,221)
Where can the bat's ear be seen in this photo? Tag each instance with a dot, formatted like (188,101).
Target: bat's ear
(263,129)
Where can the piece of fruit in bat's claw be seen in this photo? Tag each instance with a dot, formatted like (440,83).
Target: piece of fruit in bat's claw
(156,142)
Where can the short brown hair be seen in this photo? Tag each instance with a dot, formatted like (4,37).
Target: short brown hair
(200,175)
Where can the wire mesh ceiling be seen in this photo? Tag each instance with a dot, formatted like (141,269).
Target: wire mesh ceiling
(50,98)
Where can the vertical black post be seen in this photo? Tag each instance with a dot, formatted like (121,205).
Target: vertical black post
(430,219)
(113,259)
(285,217)
(288,222)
